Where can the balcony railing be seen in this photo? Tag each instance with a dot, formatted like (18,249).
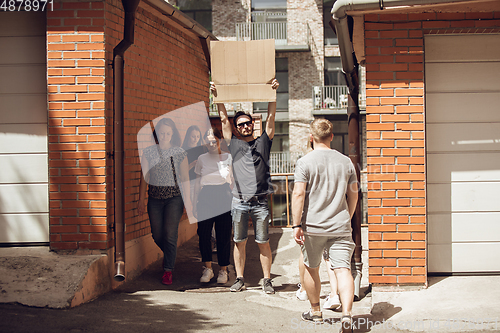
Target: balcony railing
(287,36)
(283,162)
(333,98)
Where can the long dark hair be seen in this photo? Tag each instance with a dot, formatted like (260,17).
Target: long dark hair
(176,138)
(185,143)
(218,134)
(213,131)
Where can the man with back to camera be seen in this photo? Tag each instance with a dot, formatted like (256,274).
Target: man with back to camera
(251,186)
(323,202)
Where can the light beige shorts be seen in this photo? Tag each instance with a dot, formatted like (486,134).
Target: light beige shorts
(340,250)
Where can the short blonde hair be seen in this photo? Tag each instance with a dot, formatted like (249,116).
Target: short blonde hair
(321,129)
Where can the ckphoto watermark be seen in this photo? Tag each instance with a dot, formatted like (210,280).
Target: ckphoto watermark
(26,5)
(366,324)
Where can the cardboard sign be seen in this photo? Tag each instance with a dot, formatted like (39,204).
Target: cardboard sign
(243,70)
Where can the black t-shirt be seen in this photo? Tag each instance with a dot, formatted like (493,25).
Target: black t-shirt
(251,166)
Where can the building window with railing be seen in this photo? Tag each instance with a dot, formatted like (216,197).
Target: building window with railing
(269,21)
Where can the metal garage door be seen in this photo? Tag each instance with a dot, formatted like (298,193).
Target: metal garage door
(23,129)
(462,86)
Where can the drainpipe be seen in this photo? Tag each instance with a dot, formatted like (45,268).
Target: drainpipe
(130,7)
(340,23)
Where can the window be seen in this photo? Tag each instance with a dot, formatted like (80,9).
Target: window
(330,37)
(282,92)
(340,140)
(267,4)
(333,72)
(198,10)
(269,20)
(280,140)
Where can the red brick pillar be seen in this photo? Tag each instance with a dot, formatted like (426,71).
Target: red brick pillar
(77,125)
(395,150)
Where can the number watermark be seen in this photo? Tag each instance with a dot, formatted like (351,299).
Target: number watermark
(26,5)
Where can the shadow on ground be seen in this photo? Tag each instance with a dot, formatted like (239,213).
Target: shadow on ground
(188,269)
(114,312)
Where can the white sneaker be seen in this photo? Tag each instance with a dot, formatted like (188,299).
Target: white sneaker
(301,294)
(332,302)
(222,278)
(207,275)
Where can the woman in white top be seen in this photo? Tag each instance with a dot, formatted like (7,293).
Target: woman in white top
(213,197)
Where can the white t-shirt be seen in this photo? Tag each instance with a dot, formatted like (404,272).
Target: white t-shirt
(214,169)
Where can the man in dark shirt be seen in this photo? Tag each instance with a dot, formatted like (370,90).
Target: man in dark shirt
(251,186)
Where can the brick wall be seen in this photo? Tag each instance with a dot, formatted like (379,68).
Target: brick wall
(395,132)
(165,69)
(305,70)
(77,140)
(225,15)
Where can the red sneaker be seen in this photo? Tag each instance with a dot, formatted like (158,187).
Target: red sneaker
(167,278)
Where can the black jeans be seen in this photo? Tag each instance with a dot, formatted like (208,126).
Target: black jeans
(210,196)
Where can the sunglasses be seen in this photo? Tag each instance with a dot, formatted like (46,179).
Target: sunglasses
(246,123)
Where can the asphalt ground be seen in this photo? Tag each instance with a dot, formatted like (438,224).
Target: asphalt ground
(449,304)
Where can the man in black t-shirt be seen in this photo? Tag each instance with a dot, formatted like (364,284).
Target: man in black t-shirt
(251,186)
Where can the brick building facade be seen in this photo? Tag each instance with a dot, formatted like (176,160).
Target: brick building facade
(165,69)
(399,117)
(305,69)
(80,103)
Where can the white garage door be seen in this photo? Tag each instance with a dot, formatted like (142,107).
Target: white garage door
(24,217)
(462,86)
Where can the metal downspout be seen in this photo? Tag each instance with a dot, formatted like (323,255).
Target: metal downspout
(339,22)
(130,7)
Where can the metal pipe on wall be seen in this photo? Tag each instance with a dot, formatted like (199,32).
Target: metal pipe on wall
(130,7)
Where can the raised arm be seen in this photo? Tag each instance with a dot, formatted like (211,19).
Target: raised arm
(271,113)
(227,129)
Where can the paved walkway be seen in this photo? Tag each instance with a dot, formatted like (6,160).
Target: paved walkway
(452,304)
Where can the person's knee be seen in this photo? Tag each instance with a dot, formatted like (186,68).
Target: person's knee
(264,247)
(312,270)
(343,274)
(240,245)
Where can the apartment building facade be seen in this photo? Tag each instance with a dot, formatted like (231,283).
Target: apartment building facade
(308,68)
(429,137)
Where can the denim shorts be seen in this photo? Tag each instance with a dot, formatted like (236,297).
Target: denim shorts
(340,250)
(258,210)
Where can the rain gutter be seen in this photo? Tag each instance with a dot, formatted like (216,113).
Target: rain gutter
(342,26)
(130,7)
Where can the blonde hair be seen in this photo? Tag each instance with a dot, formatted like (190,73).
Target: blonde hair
(321,129)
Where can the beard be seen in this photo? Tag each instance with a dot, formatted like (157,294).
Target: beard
(247,135)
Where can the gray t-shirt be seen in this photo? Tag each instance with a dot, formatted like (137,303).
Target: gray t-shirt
(327,174)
